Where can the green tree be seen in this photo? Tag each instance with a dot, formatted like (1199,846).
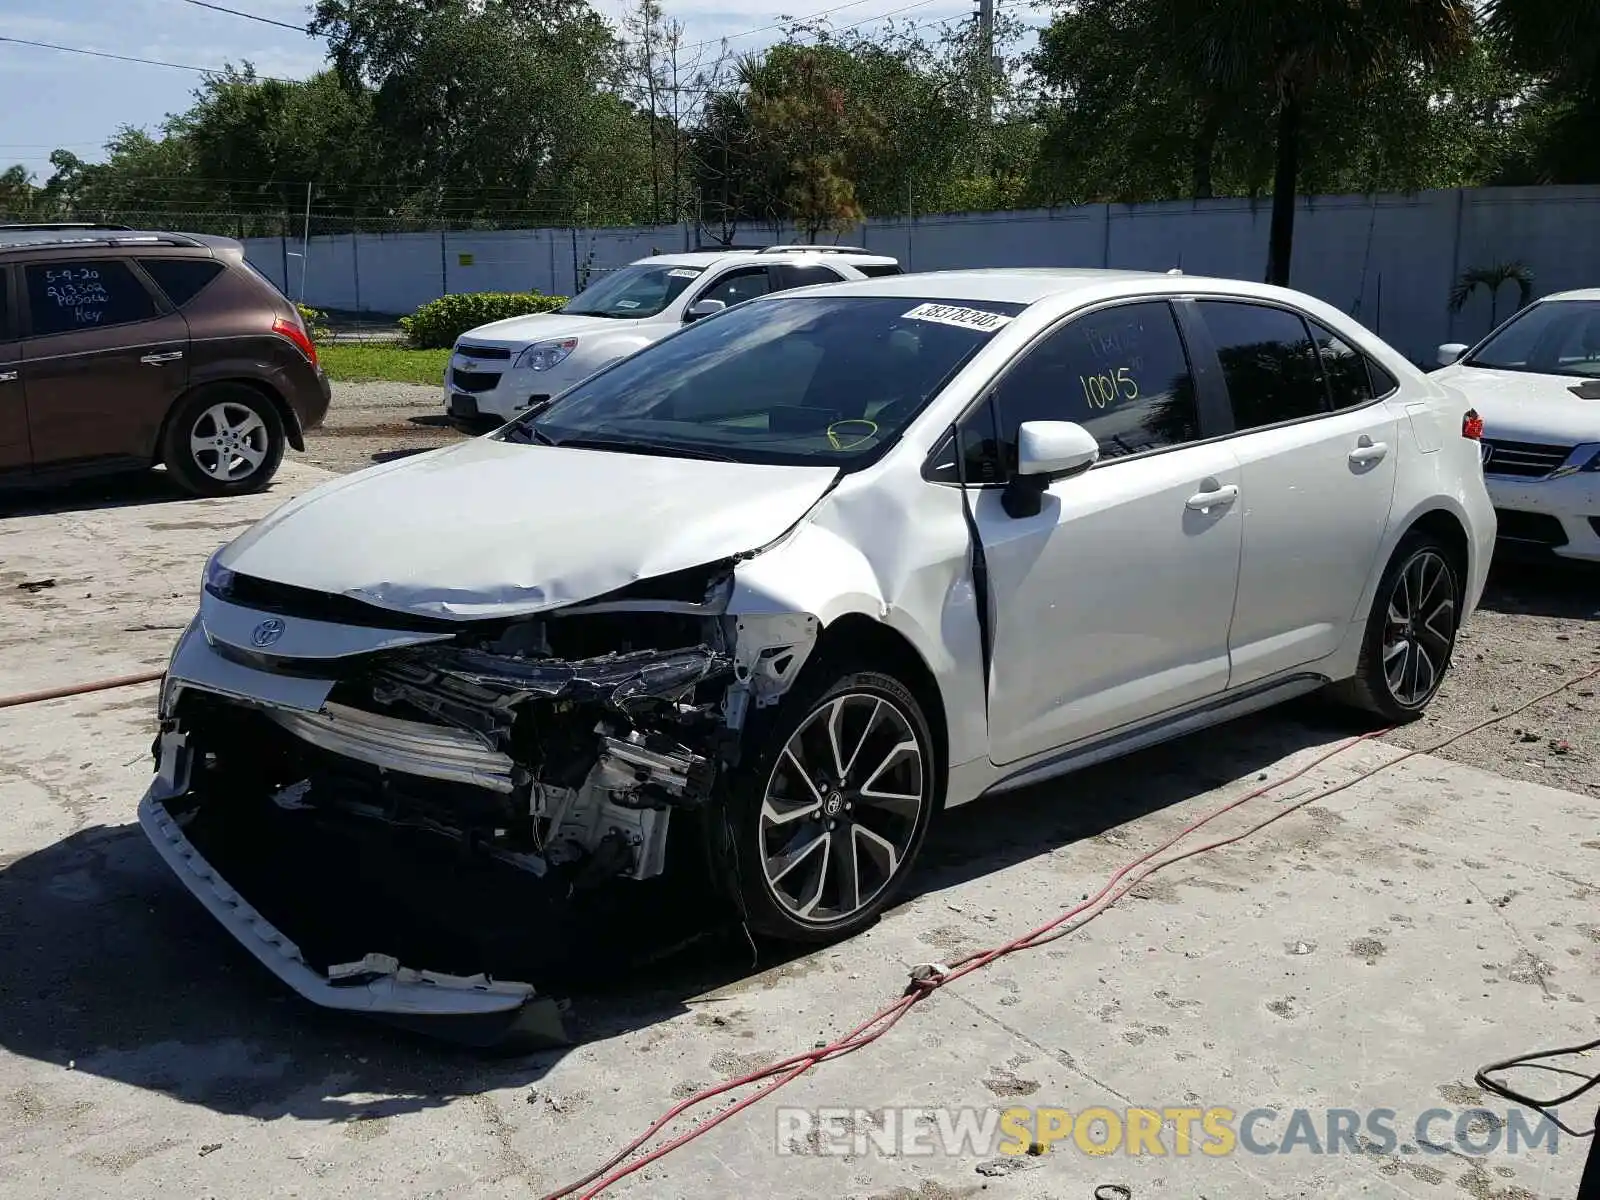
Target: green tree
(807,130)
(18,197)
(490,102)
(1231,50)
(1558,41)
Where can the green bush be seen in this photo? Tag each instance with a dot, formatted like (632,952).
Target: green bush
(316,322)
(437,324)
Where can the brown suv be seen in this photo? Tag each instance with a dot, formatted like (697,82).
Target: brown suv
(120,350)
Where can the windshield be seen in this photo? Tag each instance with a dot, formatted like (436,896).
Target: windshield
(1553,337)
(802,380)
(641,290)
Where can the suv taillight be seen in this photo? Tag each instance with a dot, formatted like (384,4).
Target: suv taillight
(1471,424)
(295,332)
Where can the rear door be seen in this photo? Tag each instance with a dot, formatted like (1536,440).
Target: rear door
(14,454)
(103,358)
(1317,453)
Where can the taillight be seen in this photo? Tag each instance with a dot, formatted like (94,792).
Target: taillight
(1471,424)
(296,333)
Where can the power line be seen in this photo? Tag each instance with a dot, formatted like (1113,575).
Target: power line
(234,12)
(149,62)
(812,16)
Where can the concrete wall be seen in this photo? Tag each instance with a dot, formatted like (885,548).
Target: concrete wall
(1388,260)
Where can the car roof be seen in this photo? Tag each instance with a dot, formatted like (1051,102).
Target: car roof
(1029,285)
(707,258)
(16,239)
(1575,294)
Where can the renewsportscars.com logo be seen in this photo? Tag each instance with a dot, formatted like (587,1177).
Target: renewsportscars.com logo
(1157,1132)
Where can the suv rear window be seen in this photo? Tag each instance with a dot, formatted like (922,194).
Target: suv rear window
(878,270)
(85,293)
(181,278)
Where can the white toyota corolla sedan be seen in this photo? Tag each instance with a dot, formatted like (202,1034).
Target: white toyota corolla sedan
(778,589)
(1535,380)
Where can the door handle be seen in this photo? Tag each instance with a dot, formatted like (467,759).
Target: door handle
(8,376)
(1367,451)
(1205,501)
(155,360)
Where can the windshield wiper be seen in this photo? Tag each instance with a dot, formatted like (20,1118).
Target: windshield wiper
(632,445)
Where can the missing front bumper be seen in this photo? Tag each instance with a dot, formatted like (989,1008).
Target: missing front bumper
(475,1008)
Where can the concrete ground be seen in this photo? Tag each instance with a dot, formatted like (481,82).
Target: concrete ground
(1368,952)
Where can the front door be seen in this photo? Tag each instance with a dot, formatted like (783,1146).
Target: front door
(14,453)
(1112,604)
(1317,455)
(101,362)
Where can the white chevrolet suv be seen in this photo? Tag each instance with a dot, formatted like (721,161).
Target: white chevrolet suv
(504,368)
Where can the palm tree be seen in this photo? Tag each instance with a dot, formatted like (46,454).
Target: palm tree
(1490,279)
(1228,49)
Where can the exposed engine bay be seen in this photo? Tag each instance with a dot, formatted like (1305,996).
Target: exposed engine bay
(558,748)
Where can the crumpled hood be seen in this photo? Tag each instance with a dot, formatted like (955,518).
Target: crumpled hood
(539,327)
(490,528)
(1520,406)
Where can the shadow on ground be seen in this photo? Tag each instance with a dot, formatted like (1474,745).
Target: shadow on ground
(1543,587)
(108,964)
(88,495)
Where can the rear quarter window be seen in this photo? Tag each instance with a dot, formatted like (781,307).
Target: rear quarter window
(182,279)
(878,270)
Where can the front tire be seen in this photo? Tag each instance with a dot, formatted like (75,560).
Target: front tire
(223,440)
(1410,634)
(831,809)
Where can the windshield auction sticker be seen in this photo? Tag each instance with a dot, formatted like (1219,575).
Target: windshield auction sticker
(964,318)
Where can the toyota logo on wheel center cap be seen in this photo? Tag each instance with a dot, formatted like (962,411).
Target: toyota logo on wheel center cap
(268,632)
(833,804)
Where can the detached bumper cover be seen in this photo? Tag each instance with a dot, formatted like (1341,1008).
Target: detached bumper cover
(378,986)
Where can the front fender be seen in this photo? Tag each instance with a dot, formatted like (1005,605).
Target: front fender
(901,558)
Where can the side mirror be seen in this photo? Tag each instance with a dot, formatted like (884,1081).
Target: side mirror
(1046,450)
(1451,352)
(704,308)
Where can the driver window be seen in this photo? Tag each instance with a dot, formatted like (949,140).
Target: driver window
(738,286)
(1120,372)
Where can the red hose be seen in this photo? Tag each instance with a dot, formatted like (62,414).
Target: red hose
(79,689)
(786,1070)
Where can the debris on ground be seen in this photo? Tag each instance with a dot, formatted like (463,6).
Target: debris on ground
(35,585)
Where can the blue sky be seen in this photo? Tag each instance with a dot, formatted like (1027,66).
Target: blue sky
(52,99)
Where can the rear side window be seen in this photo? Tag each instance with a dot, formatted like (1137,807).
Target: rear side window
(878,270)
(1272,369)
(66,297)
(1345,368)
(794,277)
(7,329)
(181,278)
(1382,382)
(1121,373)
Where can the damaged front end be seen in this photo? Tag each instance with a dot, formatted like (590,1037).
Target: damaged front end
(397,815)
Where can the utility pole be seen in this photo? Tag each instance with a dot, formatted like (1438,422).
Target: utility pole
(986,86)
(986,57)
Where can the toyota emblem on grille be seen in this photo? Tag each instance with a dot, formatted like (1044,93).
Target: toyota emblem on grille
(268,632)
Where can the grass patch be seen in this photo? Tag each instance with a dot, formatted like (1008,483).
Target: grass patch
(347,362)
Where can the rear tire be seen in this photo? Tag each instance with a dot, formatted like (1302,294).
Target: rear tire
(223,440)
(1411,632)
(831,805)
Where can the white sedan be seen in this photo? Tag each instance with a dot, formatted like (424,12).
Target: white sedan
(1536,382)
(767,597)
